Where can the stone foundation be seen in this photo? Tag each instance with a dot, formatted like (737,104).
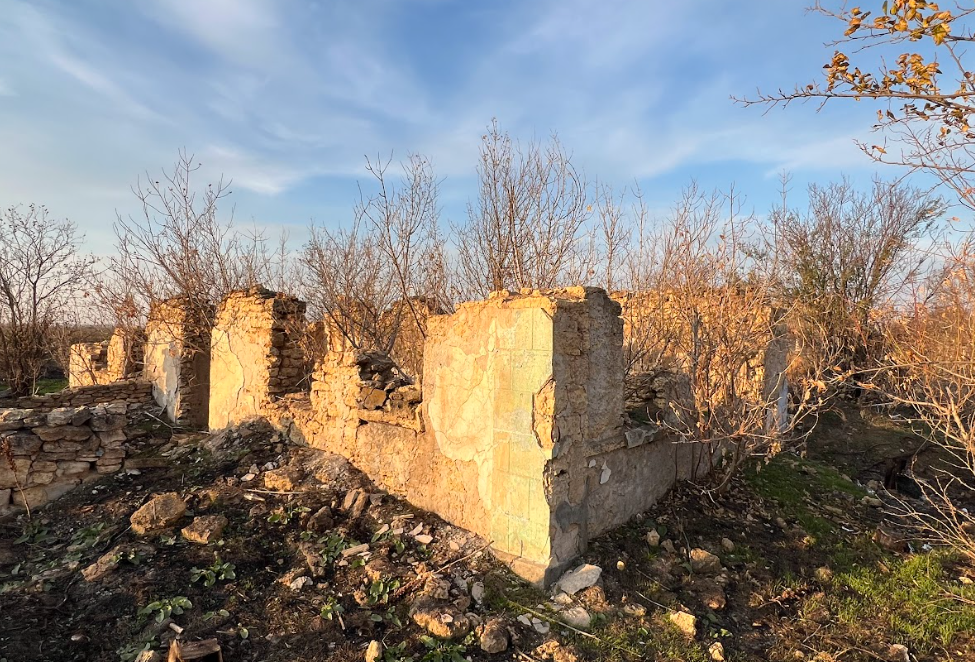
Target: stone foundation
(43,455)
(131,392)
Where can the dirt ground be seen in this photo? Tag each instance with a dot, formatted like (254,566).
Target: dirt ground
(798,560)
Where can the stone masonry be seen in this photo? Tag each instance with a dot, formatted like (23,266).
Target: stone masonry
(109,361)
(254,354)
(516,432)
(44,455)
(177,360)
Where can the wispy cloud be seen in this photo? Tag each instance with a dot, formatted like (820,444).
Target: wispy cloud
(287,98)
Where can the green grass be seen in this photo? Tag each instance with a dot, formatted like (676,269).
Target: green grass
(783,480)
(45,386)
(911,597)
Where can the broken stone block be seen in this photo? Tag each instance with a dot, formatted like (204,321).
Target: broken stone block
(355,503)
(685,622)
(704,562)
(321,521)
(374,652)
(205,529)
(285,479)
(582,577)
(442,621)
(493,637)
(161,512)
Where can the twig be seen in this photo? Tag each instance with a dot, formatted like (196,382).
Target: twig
(278,492)
(422,576)
(576,630)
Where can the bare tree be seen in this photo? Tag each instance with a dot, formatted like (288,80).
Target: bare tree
(528,227)
(851,256)
(43,278)
(930,371)
(181,246)
(376,282)
(703,311)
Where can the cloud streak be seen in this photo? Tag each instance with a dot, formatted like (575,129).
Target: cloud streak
(287,98)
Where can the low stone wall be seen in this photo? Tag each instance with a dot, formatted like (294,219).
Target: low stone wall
(128,392)
(43,455)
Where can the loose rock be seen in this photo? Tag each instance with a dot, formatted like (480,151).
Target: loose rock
(577,617)
(161,512)
(582,577)
(685,622)
(493,636)
(206,529)
(285,479)
(704,562)
(443,621)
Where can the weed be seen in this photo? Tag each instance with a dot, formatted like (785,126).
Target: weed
(908,596)
(381,590)
(284,516)
(217,570)
(164,608)
(131,651)
(443,651)
(87,537)
(34,533)
(331,608)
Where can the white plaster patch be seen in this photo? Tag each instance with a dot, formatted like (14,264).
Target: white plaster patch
(605,474)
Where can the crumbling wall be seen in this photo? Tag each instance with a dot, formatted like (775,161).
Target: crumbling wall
(255,355)
(517,432)
(177,360)
(43,455)
(659,337)
(87,363)
(117,358)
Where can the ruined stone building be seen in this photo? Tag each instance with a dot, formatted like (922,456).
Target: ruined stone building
(517,433)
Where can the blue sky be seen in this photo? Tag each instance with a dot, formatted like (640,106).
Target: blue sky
(286,97)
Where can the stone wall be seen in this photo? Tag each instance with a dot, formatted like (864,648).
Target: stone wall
(517,432)
(752,361)
(43,455)
(130,392)
(177,360)
(109,361)
(255,354)
(87,362)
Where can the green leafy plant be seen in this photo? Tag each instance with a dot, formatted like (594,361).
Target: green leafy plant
(381,590)
(131,651)
(220,613)
(163,609)
(89,535)
(34,533)
(331,609)
(217,571)
(285,515)
(442,651)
